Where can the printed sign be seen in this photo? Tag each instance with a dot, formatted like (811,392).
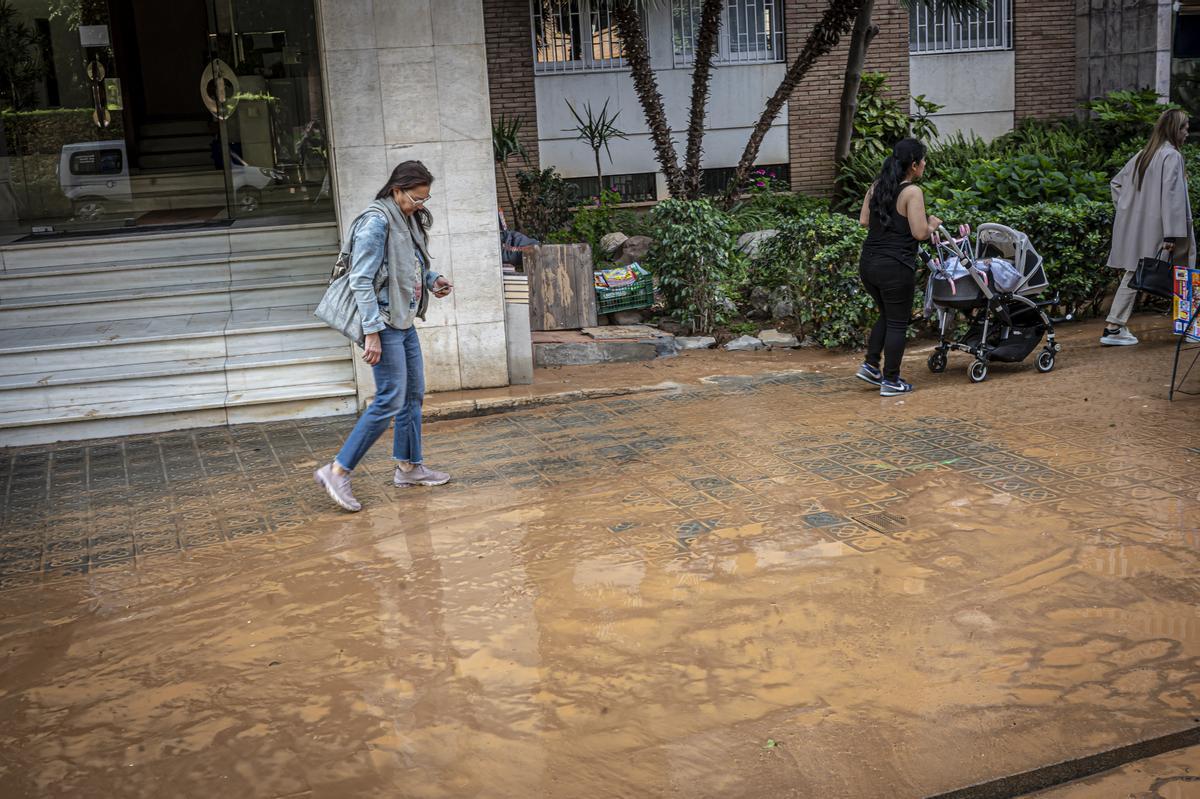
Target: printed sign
(1187,300)
(93,35)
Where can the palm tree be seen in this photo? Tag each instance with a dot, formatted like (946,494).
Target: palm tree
(598,130)
(506,142)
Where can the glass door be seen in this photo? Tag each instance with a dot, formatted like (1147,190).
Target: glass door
(273,125)
(127,115)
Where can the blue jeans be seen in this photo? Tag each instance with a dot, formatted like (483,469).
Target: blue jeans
(399,392)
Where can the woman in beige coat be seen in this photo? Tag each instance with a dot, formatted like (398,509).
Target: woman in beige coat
(1153,214)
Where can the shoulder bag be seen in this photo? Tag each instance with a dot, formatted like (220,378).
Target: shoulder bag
(338,308)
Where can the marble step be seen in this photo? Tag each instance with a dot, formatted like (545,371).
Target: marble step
(33,282)
(145,246)
(168,338)
(90,386)
(129,417)
(172,300)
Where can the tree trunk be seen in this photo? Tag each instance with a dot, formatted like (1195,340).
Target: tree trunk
(629,24)
(512,203)
(856,59)
(705,48)
(599,175)
(835,22)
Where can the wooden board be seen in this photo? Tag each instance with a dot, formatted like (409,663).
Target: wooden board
(562,288)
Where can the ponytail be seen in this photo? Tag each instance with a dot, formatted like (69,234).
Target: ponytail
(906,153)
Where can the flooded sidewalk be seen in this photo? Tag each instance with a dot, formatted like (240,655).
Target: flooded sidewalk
(775,585)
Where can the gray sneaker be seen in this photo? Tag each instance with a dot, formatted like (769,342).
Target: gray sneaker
(419,475)
(337,486)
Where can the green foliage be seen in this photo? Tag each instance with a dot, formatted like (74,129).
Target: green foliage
(506,139)
(20,60)
(693,255)
(767,211)
(597,131)
(1019,180)
(1126,115)
(814,259)
(880,121)
(1074,240)
(592,222)
(545,202)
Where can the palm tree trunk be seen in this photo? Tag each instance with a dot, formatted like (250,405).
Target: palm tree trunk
(706,45)
(836,21)
(633,37)
(512,203)
(860,39)
(599,175)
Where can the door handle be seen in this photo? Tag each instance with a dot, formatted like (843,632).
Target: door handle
(96,74)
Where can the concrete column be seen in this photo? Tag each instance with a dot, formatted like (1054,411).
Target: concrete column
(408,79)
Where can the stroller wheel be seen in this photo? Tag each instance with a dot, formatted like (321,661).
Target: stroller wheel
(978,371)
(1045,361)
(937,362)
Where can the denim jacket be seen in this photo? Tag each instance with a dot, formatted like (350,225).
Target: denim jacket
(369,275)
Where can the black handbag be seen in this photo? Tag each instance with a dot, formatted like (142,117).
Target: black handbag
(1154,276)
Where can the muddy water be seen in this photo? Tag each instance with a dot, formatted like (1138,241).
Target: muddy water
(760,587)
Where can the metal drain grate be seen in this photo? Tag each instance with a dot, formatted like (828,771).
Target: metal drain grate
(884,522)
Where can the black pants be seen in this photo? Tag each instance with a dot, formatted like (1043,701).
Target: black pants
(892,286)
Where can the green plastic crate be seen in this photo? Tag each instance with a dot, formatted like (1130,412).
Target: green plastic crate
(613,295)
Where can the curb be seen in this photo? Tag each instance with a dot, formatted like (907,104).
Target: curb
(464,409)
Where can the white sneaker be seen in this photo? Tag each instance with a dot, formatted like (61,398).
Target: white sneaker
(1118,337)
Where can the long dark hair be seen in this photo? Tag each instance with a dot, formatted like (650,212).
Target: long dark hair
(1168,129)
(905,154)
(408,175)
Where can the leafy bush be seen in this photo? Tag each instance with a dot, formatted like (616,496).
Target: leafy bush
(768,211)
(592,222)
(545,202)
(882,120)
(1026,179)
(694,254)
(814,259)
(1126,115)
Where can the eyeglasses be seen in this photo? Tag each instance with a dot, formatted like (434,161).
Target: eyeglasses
(416,200)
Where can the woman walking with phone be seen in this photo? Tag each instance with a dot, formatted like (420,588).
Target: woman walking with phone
(391,278)
(1153,215)
(894,214)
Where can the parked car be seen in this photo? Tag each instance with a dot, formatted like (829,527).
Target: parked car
(94,176)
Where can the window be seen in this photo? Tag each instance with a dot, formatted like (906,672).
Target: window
(574,36)
(714,181)
(933,29)
(751,32)
(634,188)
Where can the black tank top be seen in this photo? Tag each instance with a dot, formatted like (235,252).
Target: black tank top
(893,241)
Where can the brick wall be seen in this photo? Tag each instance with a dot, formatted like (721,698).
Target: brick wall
(510,80)
(1044,47)
(814,106)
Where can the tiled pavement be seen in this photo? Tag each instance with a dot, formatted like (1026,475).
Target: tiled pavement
(120,504)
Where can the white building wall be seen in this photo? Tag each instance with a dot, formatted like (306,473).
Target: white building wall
(408,79)
(738,93)
(977,90)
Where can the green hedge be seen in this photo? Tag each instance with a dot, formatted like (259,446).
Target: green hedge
(814,260)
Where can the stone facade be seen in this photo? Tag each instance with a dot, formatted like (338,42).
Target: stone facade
(813,109)
(1123,45)
(1044,47)
(510,81)
(408,79)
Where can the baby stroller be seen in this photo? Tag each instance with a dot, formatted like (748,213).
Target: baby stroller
(990,281)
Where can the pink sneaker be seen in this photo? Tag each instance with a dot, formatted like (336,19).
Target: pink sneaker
(419,475)
(337,486)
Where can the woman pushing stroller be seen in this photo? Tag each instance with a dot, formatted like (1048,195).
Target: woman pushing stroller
(894,214)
